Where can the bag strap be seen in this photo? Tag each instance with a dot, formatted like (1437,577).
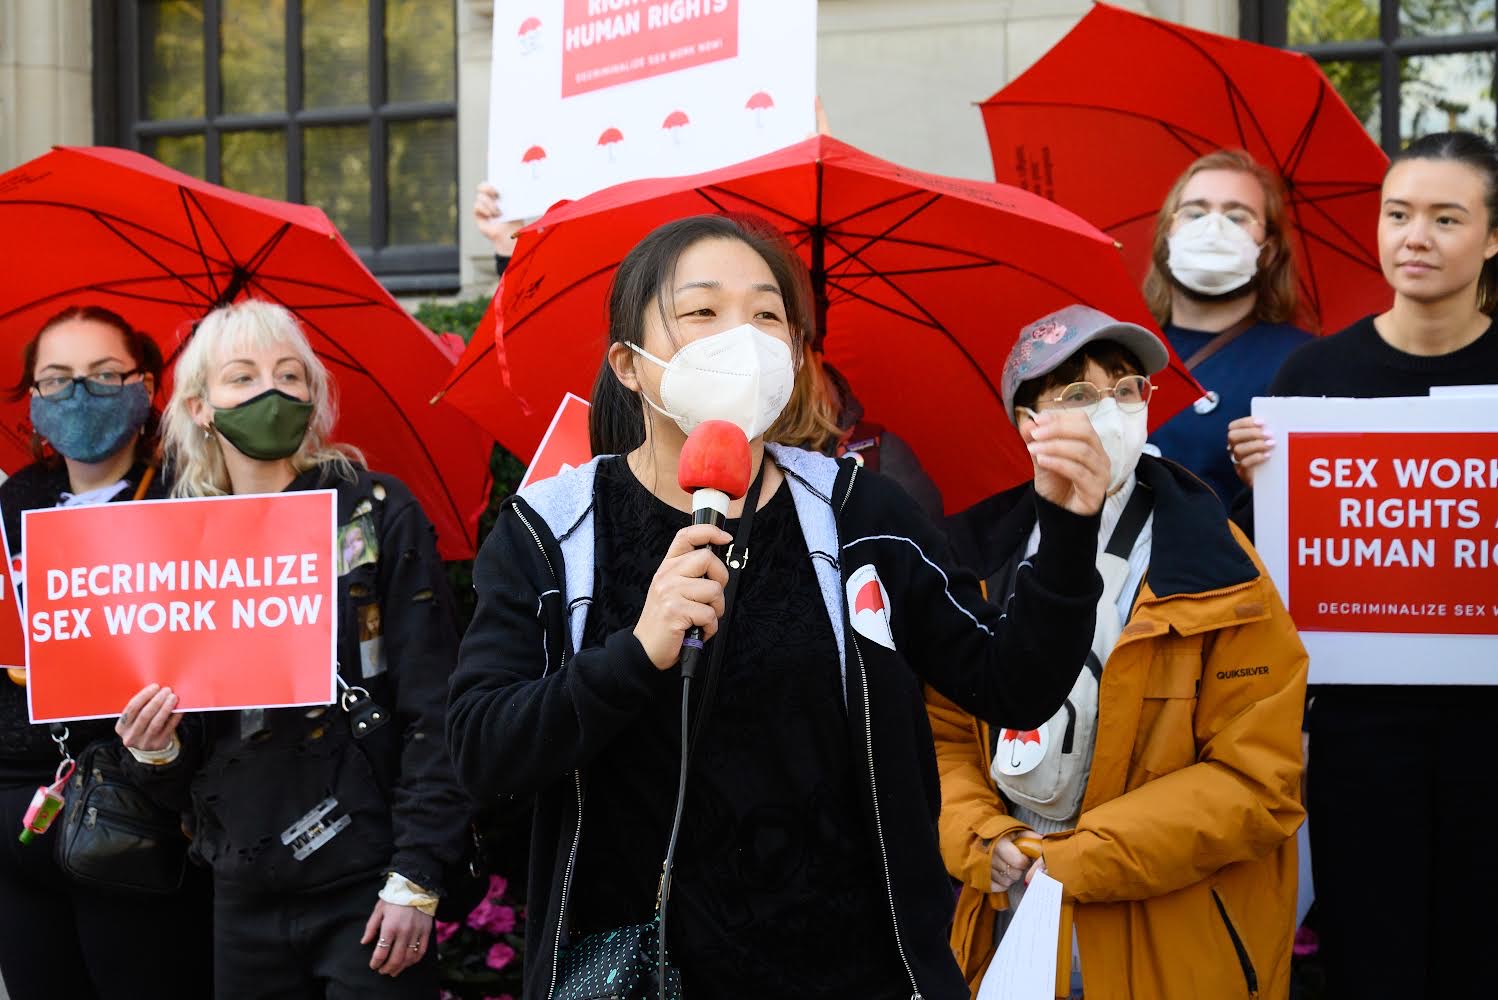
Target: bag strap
(145,482)
(1218,342)
(1131,522)
(690,736)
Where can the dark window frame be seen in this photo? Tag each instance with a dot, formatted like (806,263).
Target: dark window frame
(117,90)
(1267,21)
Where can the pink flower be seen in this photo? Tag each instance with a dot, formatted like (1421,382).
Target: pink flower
(491,918)
(499,956)
(497,887)
(445,931)
(1050,331)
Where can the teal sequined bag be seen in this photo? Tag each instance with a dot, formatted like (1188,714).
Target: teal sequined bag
(621,964)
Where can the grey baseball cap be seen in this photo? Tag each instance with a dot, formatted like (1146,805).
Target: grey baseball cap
(1053,338)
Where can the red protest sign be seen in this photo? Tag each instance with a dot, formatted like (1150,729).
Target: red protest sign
(1393,532)
(565,445)
(229,601)
(605,43)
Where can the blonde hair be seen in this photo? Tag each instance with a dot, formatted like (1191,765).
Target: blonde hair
(1277,298)
(809,419)
(195,456)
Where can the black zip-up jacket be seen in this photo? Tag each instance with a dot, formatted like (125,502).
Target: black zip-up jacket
(529,710)
(248,777)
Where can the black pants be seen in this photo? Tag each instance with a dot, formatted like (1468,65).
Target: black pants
(58,939)
(1402,803)
(306,947)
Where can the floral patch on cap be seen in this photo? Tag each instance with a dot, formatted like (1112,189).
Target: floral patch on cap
(1050,331)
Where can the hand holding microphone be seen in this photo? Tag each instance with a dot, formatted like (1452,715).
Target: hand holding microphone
(685,598)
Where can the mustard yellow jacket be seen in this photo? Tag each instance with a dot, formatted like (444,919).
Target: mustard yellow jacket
(1181,873)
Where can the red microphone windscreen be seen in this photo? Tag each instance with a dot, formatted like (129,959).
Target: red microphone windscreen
(715,457)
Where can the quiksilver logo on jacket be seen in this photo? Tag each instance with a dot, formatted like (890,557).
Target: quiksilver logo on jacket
(1228,675)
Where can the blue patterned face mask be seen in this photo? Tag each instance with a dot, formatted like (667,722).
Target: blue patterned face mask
(88,428)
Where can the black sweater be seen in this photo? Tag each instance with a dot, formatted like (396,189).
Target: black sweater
(529,714)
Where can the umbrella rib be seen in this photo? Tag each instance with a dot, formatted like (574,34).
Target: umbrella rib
(935,325)
(1172,127)
(100,216)
(213,226)
(146,254)
(197,239)
(869,241)
(1303,140)
(1236,96)
(701,192)
(110,287)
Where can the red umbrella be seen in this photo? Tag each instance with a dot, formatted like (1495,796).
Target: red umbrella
(114,228)
(1109,117)
(923,283)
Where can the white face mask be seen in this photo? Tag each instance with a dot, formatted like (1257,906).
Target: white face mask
(1213,255)
(742,375)
(1123,436)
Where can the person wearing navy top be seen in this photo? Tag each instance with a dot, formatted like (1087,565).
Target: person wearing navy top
(1222,286)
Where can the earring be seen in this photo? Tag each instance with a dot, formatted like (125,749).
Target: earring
(207,433)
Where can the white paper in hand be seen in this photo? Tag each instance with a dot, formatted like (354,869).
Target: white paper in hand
(1025,967)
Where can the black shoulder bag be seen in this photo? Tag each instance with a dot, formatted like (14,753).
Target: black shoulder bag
(629,963)
(112,835)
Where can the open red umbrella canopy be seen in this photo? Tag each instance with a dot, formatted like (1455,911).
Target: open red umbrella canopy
(923,284)
(1107,120)
(110,227)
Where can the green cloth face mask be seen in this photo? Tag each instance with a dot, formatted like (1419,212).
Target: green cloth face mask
(268,427)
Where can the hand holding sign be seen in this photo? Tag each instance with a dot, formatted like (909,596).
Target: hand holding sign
(149,721)
(1249,444)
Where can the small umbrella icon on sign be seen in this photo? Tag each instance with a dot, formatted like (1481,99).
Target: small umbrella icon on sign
(533,156)
(610,138)
(759,103)
(530,34)
(674,123)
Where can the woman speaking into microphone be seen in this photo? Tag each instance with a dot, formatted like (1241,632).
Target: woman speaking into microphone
(807,862)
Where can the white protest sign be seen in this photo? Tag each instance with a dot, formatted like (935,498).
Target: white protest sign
(1025,966)
(1378,521)
(590,93)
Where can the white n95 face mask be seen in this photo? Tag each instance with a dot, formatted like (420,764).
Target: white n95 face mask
(1123,436)
(1213,255)
(742,375)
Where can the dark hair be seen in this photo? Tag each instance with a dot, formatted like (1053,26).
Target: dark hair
(1479,154)
(617,422)
(141,348)
(1111,356)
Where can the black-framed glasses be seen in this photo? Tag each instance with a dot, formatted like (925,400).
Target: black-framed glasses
(61,387)
(1132,393)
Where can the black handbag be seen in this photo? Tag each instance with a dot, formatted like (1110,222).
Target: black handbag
(112,835)
(630,963)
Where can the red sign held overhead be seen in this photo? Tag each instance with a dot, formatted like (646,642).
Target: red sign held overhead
(229,601)
(1394,532)
(609,42)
